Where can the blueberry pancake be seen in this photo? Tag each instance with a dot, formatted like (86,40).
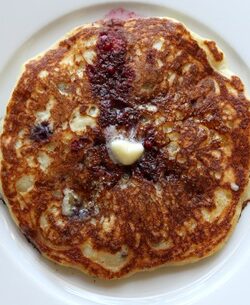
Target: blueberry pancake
(125,147)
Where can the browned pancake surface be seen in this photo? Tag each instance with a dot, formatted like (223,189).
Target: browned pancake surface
(147,79)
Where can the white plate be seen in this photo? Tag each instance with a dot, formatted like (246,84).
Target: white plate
(27,278)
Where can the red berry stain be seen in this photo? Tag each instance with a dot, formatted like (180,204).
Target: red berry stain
(151,166)
(79,144)
(148,144)
(149,141)
(110,76)
(121,13)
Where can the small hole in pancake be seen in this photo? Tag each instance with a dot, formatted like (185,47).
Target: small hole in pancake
(93,111)
(63,88)
(147,87)
(145,120)
(158,44)
(193,102)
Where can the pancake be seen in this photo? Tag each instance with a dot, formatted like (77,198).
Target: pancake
(125,147)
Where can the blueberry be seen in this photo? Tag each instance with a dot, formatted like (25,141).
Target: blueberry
(41,132)
(148,144)
(83,213)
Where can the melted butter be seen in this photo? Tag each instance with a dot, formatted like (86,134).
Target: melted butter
(125,151)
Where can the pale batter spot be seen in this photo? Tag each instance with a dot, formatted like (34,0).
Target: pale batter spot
(160,120)
(78,91)
(91,42)
(19,144)
(25,183)
(69,200)
(171,78)
(44,222)
(80,72)
(43,74)
(110,261)
(162,245)
(216,87)
(168,128)
(148,107)
(108,223)
(65,125)
(68,60)
(160,63)
(93,111)
(30,161)
(63,88)
(173,149)
(222,199)
(216,154)
(186,68)
(138,52)
(44,160)
(174,136)
(89,56)
(234,187)
(45,114)
(79,123)
(158,44)
(217,175)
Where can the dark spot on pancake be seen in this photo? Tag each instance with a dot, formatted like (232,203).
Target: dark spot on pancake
(149,141)
(171,175)
(148,144)
(79,144)
(151,166)
(95,156)
(124,253)
(103,172)
(197,186)
(84,211)
(99,137)
(128,117)
(41,132)
(193,102)
(154,139)
(108,179)
(111,69)
(108,116)
(106,43)
(110,76)
(150,58)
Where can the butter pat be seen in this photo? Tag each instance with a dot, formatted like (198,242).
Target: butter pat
(126,152)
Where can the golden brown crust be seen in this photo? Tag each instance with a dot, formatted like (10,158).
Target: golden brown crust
(179,202)
(217,55)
